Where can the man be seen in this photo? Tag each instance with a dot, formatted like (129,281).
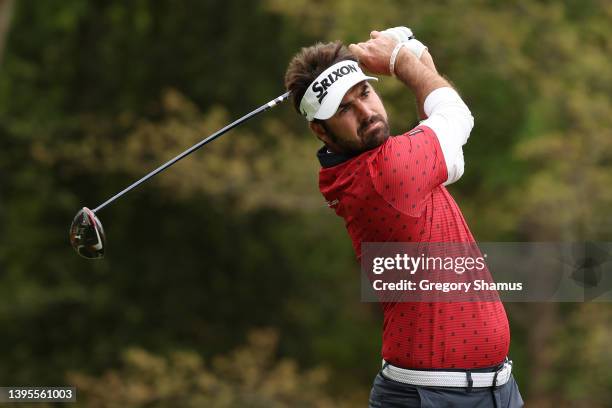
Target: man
(392,189)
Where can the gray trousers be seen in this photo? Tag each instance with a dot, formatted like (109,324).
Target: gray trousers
(387,393)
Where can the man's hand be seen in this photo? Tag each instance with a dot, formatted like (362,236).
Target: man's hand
(419,75)
(363,50)
(375,53)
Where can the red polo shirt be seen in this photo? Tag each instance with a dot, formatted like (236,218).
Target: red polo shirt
(395,193)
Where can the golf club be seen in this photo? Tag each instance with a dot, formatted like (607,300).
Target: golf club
(86,233)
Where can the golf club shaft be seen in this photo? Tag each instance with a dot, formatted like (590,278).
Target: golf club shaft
(195,147)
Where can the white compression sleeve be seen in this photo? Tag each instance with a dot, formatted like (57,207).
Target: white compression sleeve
(451,120)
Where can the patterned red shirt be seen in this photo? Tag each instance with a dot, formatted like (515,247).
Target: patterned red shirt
(395,193)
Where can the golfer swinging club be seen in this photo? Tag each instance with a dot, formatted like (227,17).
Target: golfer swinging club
(392,189)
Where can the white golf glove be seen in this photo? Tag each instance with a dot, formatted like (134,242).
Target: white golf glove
(400,34)
(404,35)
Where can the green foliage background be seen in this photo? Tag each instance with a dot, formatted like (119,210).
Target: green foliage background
(237,239)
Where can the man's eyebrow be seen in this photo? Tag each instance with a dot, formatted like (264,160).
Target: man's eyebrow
(344,105)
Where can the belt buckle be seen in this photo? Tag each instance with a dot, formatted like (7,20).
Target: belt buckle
(502,368)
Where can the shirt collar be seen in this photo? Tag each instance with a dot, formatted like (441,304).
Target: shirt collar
(328,158)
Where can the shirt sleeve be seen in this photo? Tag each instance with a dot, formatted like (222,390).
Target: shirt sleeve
(406,169)
(451,121)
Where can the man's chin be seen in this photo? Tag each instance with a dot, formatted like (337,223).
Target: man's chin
(367,141)
(375,138)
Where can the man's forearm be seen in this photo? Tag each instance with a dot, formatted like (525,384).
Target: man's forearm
(428,62)
(418,76)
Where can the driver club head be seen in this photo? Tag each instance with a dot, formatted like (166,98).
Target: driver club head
(87,235)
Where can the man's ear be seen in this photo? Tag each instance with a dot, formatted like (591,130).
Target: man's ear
(319,130)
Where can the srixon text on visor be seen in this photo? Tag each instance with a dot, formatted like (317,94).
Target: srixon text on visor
(320,87)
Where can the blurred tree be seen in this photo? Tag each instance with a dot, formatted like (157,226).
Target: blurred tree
(249,376)
(6,12)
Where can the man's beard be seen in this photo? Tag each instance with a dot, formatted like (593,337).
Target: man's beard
(367,141)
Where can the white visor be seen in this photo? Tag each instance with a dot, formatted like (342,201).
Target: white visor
(325,93)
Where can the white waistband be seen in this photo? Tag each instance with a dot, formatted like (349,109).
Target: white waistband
(449,378)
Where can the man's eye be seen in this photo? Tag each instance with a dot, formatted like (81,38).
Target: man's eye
(365,94)
(344,109)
